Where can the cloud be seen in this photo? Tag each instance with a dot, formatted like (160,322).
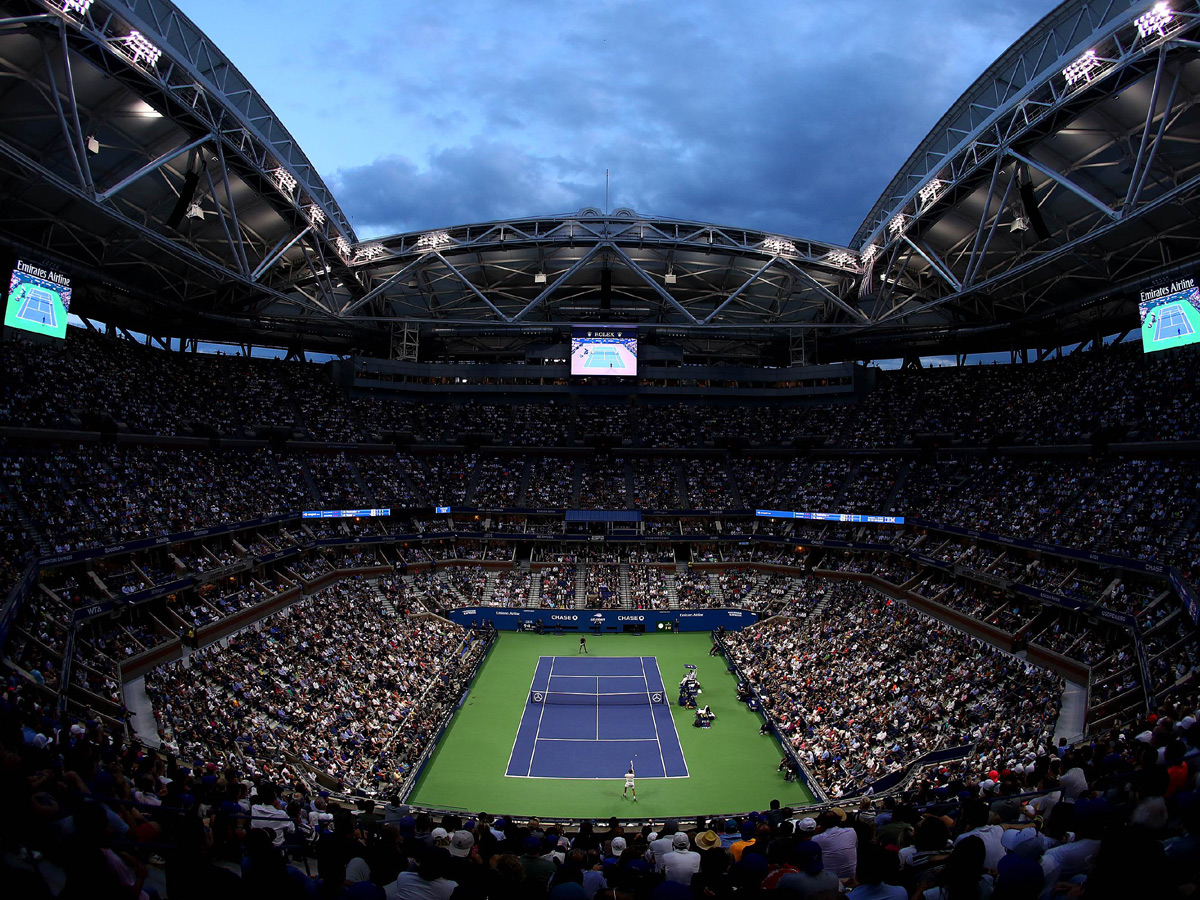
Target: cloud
(787,117)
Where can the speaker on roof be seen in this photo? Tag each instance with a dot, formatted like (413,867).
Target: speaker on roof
(190,182)
(1032,213)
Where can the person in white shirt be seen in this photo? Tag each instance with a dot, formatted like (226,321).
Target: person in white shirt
(267,814)
(839,845)
(681,863)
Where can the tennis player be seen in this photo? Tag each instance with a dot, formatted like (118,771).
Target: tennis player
(582,644)
(629,785)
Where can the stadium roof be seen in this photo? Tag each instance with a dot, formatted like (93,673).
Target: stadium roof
(135,155)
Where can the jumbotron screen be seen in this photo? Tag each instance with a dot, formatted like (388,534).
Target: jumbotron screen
(604,351)
(38,299)
(1170,315)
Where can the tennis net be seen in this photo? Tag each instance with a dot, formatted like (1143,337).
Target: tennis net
(616,698)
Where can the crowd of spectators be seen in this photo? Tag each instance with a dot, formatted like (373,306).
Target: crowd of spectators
(346,685)
(864,686)
(649,587)
(558,586)
(91,814)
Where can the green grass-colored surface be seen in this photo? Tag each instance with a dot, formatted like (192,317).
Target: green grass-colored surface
(732,767)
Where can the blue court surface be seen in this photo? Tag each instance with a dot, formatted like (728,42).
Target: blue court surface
(588,716)
(604,358)
(1172,322)
(38,307)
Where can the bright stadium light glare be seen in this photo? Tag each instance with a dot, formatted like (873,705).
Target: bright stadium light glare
(779,246)
(432,240)
(1082,69)
(315,215)
(368,252)
(1155,21)
(142,49)
(931,191)
(868,254)
(897,224)
(842,258)
(343,246)
(284,180)
(79,7)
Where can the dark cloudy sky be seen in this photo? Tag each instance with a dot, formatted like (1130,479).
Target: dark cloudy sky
(789,116)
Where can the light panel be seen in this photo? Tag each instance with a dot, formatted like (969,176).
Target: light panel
(284,180)
(1082,69)
(842,258)
(931,191)
(432,240)
(1155,21)
(79,7)
(142,49)
(779,246)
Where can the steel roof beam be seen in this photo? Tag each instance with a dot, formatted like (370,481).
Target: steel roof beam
(1066,183)
(937,265)
(655,286)
(151,166)
(463,278)
(553,286)
(749,281)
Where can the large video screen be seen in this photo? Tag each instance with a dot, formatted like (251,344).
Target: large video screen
(1170,315)
(604,351)
(38,299)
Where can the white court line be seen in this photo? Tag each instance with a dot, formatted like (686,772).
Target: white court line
(533,752)
(521,721)
(674,727)
(653,717)
(602,741)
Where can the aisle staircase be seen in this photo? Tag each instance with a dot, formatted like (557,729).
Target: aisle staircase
(581,585)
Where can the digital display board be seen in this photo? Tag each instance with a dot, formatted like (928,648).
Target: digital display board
(343,513)
(38,299)
(852,518)
(1170,315)
(604,351)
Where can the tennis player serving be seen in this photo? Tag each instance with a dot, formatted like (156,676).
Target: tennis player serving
(629,785)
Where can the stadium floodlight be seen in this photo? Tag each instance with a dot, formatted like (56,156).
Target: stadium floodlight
(76,6)
(194,211)
(142,48)
(868,254)
(931,191)
(432,240)
(368,252)
(842,258)
(897,224)
(779,246)
(343,246)
(1155,21)
(1082,69)
(539,278)
(315,215)
(284,180)
(1020,223)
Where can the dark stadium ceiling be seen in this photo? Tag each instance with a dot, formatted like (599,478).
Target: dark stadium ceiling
(113,109)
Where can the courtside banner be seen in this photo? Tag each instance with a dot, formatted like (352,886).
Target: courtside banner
(610,620)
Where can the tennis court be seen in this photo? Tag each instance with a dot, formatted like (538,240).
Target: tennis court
(1172,322)
(604,358)
(731,767)
(38,307)
(588,717)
